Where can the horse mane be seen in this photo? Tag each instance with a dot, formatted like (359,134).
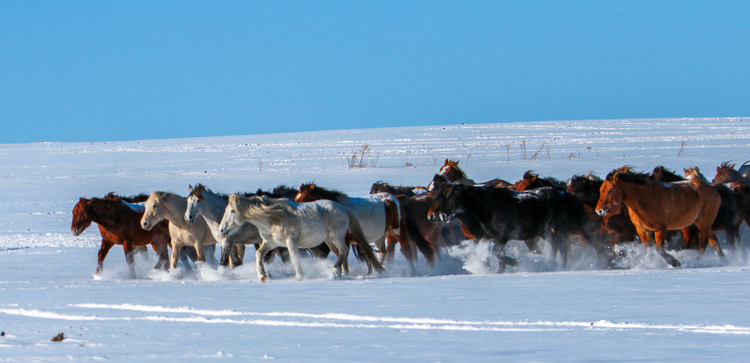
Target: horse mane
(108,209)
(320,192)
(663,174)
(454,165)
(285,191)
(694,173)
(138,198)
(629,176)
(277,209)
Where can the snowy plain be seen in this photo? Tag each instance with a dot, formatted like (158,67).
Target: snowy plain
(456,311)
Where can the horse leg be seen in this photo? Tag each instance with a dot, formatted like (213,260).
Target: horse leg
(659,237)
(103,251)
(236,255)
(499,251)
(143,250)
(227,249)
(127,246)
(259,253)
(199,250)
(210,251)
(341,250)
(176,255)
(711,237)
(163,252)
(292,246)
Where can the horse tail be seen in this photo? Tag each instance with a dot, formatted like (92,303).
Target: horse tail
(412,229)
(364,247)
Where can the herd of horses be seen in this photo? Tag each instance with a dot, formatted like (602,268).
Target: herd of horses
(315,221)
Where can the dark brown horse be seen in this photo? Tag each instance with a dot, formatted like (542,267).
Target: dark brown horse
(396,190)
(726,173)
(120,224)
(615,227)
(658,206)
(381,217)
(502,215)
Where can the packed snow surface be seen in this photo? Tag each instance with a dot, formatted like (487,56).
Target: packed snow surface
(458,310)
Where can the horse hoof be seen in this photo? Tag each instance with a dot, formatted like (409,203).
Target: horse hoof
(263,279)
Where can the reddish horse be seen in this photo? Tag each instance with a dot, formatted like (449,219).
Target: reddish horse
(120,224)
(657,206)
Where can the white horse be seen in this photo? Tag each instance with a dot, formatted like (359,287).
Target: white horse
(380,216)
(170,206)
(283,223)
(202,202)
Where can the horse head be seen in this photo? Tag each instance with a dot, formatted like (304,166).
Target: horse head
(154,210)
(585,187)
(610,194)
(232,215)
(661,173)
(306,193)
(695,174)
(726,173)
(196,203)
(446,204)
(81,217)
(529,181)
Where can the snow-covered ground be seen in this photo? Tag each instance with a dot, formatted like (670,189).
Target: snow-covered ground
(456,311)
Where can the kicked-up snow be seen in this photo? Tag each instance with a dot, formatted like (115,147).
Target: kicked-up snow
(458,310)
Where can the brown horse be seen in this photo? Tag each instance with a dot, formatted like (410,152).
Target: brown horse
(454,174)
(120,224)
(532,180)
(726,173)
(381,217)
(658,206)
(728,219)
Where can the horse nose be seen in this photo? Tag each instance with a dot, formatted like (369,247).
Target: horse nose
(189,218)
(600,212)
(432,218)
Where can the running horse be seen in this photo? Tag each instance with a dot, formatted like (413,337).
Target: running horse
(658,206)
(381,217)
(119,224)
(284,223)
(501,215)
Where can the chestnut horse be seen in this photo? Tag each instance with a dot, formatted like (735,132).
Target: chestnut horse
(657,206)
(728,219)
(380,216)
(119,224)
(454,174)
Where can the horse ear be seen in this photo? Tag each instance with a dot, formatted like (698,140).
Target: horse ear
(190,187)
(533,178)
(82,200)
(616,177)
(718,169)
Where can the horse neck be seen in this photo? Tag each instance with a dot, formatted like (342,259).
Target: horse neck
(631,193)
(174,209)
(215,206)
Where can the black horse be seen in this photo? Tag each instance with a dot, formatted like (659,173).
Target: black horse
(502,215)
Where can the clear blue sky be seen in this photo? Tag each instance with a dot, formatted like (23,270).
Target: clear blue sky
(126,70)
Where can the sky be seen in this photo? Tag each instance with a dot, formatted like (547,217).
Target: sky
(76,71)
